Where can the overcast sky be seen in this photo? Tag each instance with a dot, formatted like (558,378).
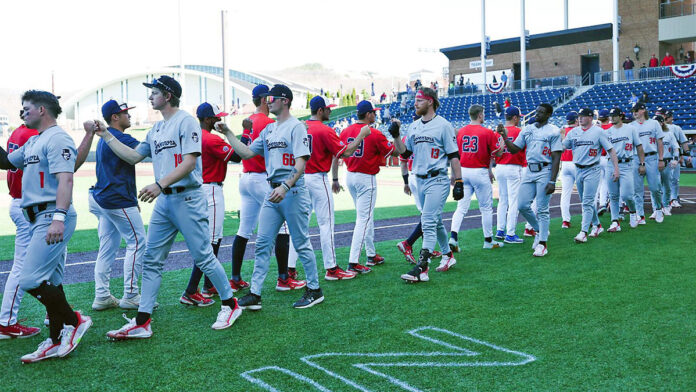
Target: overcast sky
(88,42)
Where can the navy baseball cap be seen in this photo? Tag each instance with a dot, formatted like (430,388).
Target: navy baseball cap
(659,118)
(586,112)
(638,106)
(660,110)
(259,91)
(366,107)
(166,83)
(571,116)
(603,113)
(668,113)
(512,111)
(206,110)
(112,107)
(281,91)
(319,102)
(616,112)
(629,117)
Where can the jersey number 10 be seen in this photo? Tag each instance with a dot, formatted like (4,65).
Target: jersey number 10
(178,158)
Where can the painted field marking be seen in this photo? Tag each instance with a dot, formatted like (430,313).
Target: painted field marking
(457,357)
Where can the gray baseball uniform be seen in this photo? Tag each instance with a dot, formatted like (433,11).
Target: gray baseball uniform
(676,173)
(625,140)
(648,131)
(670,154)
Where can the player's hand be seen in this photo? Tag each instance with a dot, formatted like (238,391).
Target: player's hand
(502,130)
(55,231)
(407,189)
(149,193)
(100,128)
(550,188)
(458,190)
(673,164)
(394,129)
(615,176)
(90,126)
(364,131)
(247,124)
(491,176)
(336,187)
(222,127)
(277,195)
(641,170)
(660,165)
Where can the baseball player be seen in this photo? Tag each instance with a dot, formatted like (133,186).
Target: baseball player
(625,139)
(651,134)
(683,143)
(285,147)
(114,202)
(671,160)
(174,144)
(325,148)
(477,145)
(12,296)
(253,189)
(587,140)
(602,195)
(432,142)
(543,153)
(215,153)
(568,171)
(363,167)
(48,161)
(508,172)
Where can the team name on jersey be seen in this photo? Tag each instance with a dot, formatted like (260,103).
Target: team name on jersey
(619,139)
(160,146)
(423,139)
(583,143)
(645,133)
(31,159)
(281,144)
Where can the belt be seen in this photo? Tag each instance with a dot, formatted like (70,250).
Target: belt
(647,154)
(32,211)
(586,166)
(625,160)
(432,173)
(177,189)
(216,183)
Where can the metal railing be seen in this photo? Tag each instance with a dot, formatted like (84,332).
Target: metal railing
(636,74)
(676,8)
(516,85)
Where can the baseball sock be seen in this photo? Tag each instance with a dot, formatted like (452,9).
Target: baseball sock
(453,234)
(488,239)
(423,258)
(282,248)
(238,249)
(229,302)
(57,307)
(195,278)
(142,318)
(415,235)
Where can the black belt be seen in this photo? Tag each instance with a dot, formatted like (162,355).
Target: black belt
(647,154)
(177,189)
(535,167)
(432,173)
(32,211)
(625,160)
(216,183)
(586,166)
(276,184)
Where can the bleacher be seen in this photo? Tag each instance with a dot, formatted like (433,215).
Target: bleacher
(678,95)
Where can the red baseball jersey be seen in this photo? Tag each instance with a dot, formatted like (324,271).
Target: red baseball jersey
(215,153)
(409,161)
(256,164)
(605,127)
(371,152)
(511,159)
(476,146)
(567,155)
(14,177)
(324,145)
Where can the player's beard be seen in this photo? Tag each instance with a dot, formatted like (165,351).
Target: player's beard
(422,111)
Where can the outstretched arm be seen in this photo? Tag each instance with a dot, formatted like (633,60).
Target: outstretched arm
(239,148)
(121,150)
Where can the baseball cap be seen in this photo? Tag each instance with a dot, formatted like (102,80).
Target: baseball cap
(366,107)
(206,110)
(668,113)
(658,118)
(616,112)
(319,102)
(572,116)
(112,107)
(629,117)
(603,113)
(512,111)
(280,90)
(638,106)
(586,112)
(660,110)
(166,83)
(259,91)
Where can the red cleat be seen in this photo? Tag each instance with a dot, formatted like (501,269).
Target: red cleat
(359,268)
(406,249)
(435,254)
(17,331)
(338,274)
(290,284)
(237,285)
(529,233)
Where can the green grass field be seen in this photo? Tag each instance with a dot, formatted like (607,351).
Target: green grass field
(616,313)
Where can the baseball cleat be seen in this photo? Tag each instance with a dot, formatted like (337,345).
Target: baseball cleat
(208,292)
(633,220)
(453,245)
(581,237)
(435,254)
(17,330)
(446,263)
(500,234)
(237,285)
(565,225)
(337,273)
(513,239)
(659,216)
(675,203)
(289,284)
(641,221)
(105,303)
(309,299)
(250,301)
(227,316)
(529,232)
(131,303)
(358,268)
(492,244)
(131,330)
(652,216)
(70,336)
(374,260)
(46,350)
(596,230)
(540,250)
(407,250)
(417,274)
(601,210)
(195,299)
(667,211)
(537,238)
(615,227)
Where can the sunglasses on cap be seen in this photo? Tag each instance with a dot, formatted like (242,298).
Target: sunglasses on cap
(270,99)
(159,84)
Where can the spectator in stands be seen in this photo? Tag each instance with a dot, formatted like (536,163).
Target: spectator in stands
(667,60)
(687,58)
(507,103)
(633,100)
(437,85)
(498,109)
(653,61)
(644,97)
(383,97)
(386,115)
(503,78)
(628,68)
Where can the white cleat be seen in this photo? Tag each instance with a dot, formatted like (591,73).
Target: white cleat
(659,216)
(131,330)
(615,227)
(540,250)
(446,263)
(581,237)
(227,316)
(653,215)
(667,211)
(596,231)
(634,221)
(71,336)
(46,350)
(492,244)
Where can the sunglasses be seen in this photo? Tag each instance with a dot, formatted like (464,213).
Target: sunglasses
(159,84)
(271,99)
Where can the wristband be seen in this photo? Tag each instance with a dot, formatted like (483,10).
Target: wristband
(553,182)
(641,164)
(284,185)
(61,211)
(160,186)
(458,180)
(59,216)
(335,179)
(405,177)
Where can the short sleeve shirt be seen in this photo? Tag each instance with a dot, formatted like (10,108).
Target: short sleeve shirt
(16,140)
(624,140)
(280,144)
(371,152)
(649,131)
(671,147)
(539,142)
(567,155)
(511,159)
(115,187)
(324,145)
(168,141)
(259,122)
(587,144)
(476,146)
(430,142)
(41,158)
(215,155)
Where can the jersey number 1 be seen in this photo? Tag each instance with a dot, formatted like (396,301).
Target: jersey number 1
(41,178)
